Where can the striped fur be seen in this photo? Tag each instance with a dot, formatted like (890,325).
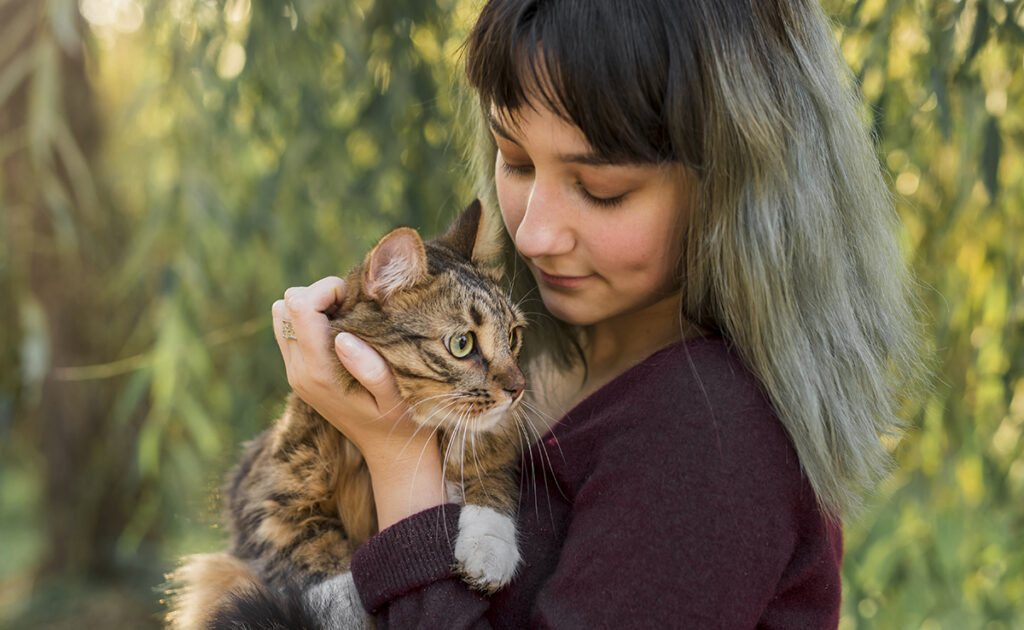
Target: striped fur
(300,502)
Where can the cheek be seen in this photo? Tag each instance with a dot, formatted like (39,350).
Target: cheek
(626,247)
(652,251)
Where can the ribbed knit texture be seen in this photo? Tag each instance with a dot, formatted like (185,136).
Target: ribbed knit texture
(414,553)
(670,498)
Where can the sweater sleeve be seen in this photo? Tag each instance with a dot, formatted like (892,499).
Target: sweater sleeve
(405,580)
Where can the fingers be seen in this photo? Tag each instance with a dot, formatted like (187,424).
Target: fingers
(279,315)
(369,368)
(317,297)
(307,356)
(305,308)
(312,366)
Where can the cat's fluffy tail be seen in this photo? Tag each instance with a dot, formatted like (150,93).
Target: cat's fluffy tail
(220,592)
(202,585)
(262,609)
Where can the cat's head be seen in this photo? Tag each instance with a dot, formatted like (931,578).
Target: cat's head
(449,332)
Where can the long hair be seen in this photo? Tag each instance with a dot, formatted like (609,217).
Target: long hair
(791,250)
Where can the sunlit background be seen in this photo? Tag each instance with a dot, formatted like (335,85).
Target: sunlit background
(170,166)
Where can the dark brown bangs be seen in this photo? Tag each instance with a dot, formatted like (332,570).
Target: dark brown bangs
(617,70)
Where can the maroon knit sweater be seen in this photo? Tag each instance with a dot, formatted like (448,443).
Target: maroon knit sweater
(670,498)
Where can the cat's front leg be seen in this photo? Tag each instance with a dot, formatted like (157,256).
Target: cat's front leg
(486,548)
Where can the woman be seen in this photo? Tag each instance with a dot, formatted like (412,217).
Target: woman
(698,205)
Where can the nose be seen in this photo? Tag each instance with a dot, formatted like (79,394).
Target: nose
(545,229)
(513,383)
(514,392)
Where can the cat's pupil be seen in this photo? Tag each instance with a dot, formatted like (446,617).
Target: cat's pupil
(461,345)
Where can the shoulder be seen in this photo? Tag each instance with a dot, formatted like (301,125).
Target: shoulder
(692,418)
(695,389)
(683,457)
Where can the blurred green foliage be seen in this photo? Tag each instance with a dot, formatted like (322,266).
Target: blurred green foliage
(170,167)
(944,545)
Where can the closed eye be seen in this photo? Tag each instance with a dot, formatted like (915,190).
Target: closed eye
(604,202)
(516,170)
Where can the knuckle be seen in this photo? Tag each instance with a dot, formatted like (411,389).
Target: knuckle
(378,377)
(334,283)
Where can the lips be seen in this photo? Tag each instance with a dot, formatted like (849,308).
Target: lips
(565,282)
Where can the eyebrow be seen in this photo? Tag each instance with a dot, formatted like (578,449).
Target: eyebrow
(588,158)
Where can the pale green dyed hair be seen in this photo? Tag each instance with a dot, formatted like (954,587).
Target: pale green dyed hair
(791,252)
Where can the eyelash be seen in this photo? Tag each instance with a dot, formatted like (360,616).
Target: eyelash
(515,171)
(601,202)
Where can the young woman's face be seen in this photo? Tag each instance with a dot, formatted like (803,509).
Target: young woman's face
(601,240)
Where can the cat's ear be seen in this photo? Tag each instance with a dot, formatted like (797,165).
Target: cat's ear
(464,236)
(398,262)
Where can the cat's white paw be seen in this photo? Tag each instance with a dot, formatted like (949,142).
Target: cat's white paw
(486,548)
(336,604)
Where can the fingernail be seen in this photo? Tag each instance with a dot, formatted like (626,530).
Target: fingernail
(347,343)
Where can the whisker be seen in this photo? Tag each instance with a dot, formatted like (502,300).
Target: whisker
(544,453)
(421,425)
(476,461)
(450,436)
(424,421)
(525,438)
(549,424)
(462,459)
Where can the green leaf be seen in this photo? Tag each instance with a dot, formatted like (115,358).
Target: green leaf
(64,20)
(43,101)
(990,155)
(35,341)
(200,427)
(979,34)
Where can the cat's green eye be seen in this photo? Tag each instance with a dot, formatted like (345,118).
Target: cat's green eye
(461,345)
(513,335)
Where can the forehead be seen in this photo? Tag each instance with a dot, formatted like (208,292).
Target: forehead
(537,125)
(476,297)
(542,87)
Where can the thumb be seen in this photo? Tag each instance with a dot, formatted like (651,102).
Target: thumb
(367,366)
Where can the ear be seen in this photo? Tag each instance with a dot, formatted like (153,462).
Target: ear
(398,262)
(463,235)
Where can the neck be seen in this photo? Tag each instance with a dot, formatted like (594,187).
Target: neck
(615,345)
(610,347)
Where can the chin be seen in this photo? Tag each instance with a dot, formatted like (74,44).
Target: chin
(492,418)
(580,316)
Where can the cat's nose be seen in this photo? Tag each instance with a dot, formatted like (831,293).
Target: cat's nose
(514,384)
(514,392)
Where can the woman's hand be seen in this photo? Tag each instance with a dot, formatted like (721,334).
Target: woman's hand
(403,457)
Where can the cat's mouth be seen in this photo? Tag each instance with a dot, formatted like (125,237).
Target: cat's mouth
(495,416)
(472,416)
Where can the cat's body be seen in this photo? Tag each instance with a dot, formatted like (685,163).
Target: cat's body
(300,502)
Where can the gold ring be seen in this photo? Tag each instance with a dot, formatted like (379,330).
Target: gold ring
(286,329)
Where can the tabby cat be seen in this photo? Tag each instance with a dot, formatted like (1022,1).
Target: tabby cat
(300,502)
